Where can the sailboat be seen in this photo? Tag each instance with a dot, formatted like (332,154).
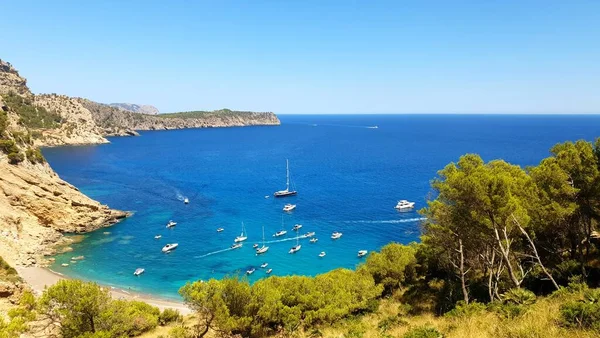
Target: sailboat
(242,237)
(287,191)
(282,231)
(296,247)
(263,248)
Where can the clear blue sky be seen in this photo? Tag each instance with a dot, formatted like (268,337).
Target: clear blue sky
(347,56)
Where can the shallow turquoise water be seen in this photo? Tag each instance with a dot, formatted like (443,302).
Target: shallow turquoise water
(348,178)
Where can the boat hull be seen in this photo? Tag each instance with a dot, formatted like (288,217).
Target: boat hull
(285,194)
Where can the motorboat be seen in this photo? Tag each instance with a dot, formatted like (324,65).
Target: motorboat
(362,253)
(65,264)
(309,234)
(250,271)
(220,230)
(289,207)
(267,196)
(263,248)
(171,224)
(255,245)
(186,201)
(297,227)
(322,254)
(138,271)
(264,265)
(269,271)
(404,205)
(314,240)
(287,191)
(158,237)
(242,237)
(336,235)
(236,245)
(169,247)
(280,233)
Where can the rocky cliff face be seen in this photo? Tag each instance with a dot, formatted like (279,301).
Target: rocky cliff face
(10,80)
(134,108)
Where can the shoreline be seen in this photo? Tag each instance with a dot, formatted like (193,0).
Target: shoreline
(39,278)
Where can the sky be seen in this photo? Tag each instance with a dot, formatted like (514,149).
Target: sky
(312,57)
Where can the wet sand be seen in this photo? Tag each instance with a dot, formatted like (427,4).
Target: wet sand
(39,278)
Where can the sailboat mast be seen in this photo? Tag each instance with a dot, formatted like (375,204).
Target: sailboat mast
(287,174)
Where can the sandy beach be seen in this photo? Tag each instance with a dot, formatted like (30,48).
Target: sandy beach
(39,278)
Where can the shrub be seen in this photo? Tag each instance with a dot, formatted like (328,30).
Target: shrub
(422,332)
(31,115)
(168,316)
(179,332)
(584,313)
(465,310)
(518,297)
(34,155)
(15,158)
(8,146)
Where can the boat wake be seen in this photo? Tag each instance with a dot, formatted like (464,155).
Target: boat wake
(214,253)
(287,239)
(392,221)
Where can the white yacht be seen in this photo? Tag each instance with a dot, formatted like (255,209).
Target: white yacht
(287,191)
(169,247)
(138,271)
(362,253)
(314,240)
(157,237)
(220,230)
(289,207)
(236,245)
(186,201)
(322,254)
(250,271)
(297,227)
(269,271)
(404,204)
(296,247)
(309,234)
(171,224)
(264,265)
(282,231)
(336,235)
(263,248)
(242,237)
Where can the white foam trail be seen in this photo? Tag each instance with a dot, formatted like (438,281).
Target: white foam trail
(213,253)
(287,239)
(392,221)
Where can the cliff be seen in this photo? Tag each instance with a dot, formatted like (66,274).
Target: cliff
(135,108)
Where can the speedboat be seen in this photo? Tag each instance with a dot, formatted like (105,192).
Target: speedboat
(297,227)
(287,191)
(250,271)
(267,196)
(269,271)
(404,204)
(65,264)
(336,235)
(220,230)
(157,236)
(322,254)
(289,207)
(186,201)
(362,253)
(169,247)
(255,245)
(314,240)
(280,233)
(138,271)
(295,248)
(171,224)
(264,265)
(309,234)
(236,245)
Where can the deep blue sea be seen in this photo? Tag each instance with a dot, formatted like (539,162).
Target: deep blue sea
(348,176)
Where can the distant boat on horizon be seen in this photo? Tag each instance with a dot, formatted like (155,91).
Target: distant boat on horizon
(186,201)
(287,191)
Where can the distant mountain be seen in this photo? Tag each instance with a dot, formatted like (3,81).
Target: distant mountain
(136,108)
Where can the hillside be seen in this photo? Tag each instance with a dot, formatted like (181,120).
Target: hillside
(136,108)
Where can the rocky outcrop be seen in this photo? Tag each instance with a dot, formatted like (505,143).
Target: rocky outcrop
(10,80)
(134,108)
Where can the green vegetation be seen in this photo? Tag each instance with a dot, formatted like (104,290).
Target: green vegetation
(7,272)
(3,122)
(34,155)
(30,115)
(203,114)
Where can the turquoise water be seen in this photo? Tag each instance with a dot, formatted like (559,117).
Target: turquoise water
(348,177)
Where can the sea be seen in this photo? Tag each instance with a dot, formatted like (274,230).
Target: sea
(349,171)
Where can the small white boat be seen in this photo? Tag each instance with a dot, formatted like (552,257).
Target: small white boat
(186,201)
(289,207)
(280,233)
(236,245)
(250,271)
(65,264)
(267,196)
(297,227)
(220,230)
(309,234)
(404,204)
(362,253)
(269,271)
(295,248)
(171,224)
(242,237)
(322,254)
(336,235)
(169,247)
(314,240)
(264,265)
(255,245)
(138,271)
(158,237)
